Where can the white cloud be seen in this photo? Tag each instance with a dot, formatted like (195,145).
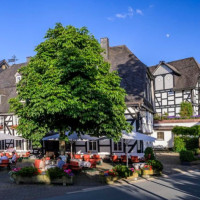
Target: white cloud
(122,16)
(167,35)
(130,12)
(138,11)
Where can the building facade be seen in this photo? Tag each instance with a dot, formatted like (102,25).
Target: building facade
(9,77)
(175,82)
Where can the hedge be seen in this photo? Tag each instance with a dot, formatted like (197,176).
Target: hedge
(187,131)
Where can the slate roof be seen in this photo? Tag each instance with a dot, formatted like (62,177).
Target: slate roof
(8,86)
(133,74)
(189,70)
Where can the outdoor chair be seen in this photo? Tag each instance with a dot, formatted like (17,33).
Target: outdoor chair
(75,166)
(134,159)
(8,155)
(5,163)
(97,158)
(115,159)
(86,157)
(65,166)
(93,163)
(37,165)
(77,156)
(47,158)
(123,158)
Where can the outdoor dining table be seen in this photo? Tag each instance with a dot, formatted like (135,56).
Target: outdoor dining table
(50,166)
(82,163)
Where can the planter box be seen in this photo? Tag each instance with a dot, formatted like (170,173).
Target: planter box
(108,179)
(146,173)
(42,179)
(134,176)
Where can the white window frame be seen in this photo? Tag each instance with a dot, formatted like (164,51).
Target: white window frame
(92,142)
(118,150)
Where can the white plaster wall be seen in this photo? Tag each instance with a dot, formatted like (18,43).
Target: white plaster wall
(104,142)
(162,69)
(167,142)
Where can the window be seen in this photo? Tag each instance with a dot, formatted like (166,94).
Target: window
(168,81)
(160,135)
(159,83)
(170,93)
(1,120)
(92,145)
(118,146)
(18,78)
(19,144)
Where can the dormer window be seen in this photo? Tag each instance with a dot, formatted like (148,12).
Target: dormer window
(18,77)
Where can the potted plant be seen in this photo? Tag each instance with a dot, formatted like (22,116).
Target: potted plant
(57,175)
(157,166)
(147,170)
(24,175)
(109,176)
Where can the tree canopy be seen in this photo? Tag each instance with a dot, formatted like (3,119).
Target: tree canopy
(67,86)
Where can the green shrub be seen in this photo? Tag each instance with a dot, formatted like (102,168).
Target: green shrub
(191,143)
(186,109)
(122,171)
(179,144)
(149,151)
(27,171)
(55,172)
(156,165)
(196,151)
(187,156)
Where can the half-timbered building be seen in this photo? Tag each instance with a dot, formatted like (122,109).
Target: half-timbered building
(175,82)
(9,77)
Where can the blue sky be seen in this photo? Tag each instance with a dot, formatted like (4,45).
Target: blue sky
(153,30)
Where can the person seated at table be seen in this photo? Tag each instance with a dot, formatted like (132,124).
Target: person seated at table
(60,162)
(14,157)
(4,157)
(63,157)
(42,165)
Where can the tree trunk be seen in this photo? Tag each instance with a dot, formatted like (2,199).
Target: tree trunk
(62,144)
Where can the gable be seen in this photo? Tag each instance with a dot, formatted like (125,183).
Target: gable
(162,69)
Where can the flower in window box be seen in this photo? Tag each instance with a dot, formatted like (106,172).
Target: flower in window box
(1,127)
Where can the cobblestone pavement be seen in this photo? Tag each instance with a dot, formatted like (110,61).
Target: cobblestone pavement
(12,191)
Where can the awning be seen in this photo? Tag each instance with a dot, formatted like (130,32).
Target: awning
(73,136)
(137,136)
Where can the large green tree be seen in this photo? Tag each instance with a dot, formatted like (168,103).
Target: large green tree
(67,86)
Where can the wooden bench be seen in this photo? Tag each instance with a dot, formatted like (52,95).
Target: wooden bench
(5,163)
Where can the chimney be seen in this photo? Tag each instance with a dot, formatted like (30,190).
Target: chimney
(105,46)
(162,62)
(28,59)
